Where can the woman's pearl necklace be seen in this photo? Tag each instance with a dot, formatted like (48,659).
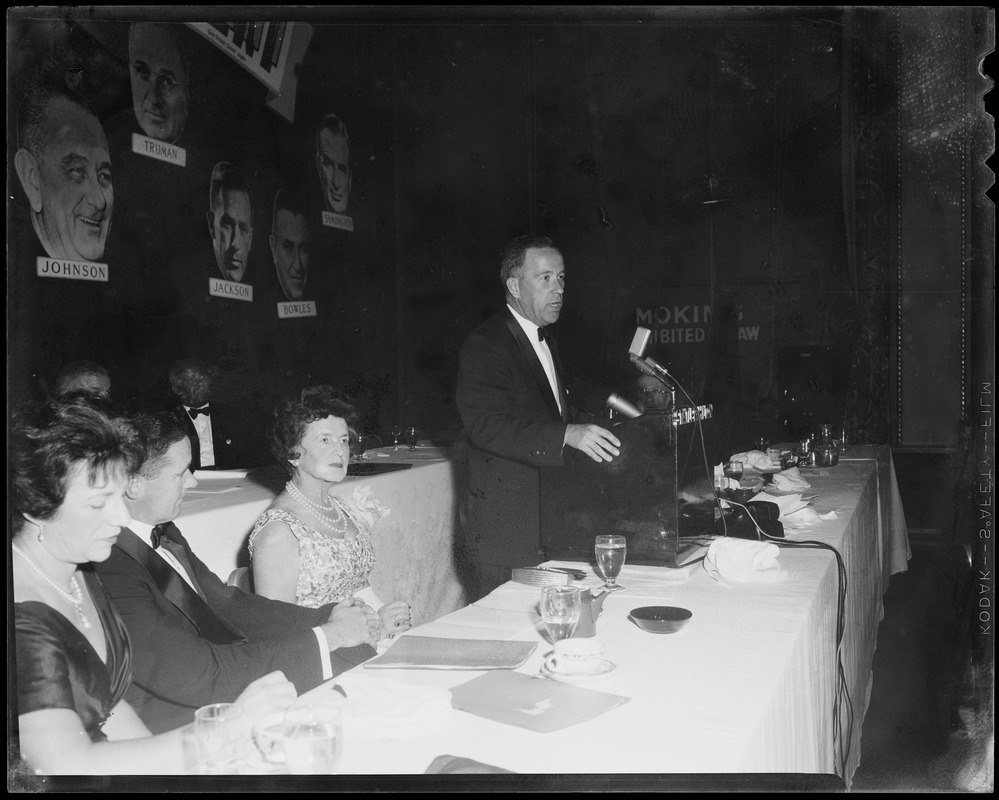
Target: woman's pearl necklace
(338,525)
(75,596)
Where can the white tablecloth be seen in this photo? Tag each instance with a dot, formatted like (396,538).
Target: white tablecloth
(417,547)
(748,686)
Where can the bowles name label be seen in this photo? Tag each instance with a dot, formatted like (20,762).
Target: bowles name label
(297,308)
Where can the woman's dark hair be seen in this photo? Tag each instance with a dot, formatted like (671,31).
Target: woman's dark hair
(293,414)
(50,440)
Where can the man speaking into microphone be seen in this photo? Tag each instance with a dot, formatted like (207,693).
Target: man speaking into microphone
(517,415)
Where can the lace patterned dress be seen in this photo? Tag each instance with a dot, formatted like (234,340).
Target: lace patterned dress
(331,569)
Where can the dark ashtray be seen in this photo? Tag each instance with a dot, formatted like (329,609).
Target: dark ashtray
(660,619)
(738,495)
(373,468)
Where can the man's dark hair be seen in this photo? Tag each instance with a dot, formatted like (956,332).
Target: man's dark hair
(514,254)
(290,200)
(31,113)
(74,370)
(333,124)
(226,177)
(161,430)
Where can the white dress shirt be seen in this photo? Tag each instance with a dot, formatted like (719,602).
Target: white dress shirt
(203,425)
(145,532)
(543,351)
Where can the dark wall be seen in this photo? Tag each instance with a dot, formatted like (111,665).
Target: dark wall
(698,169)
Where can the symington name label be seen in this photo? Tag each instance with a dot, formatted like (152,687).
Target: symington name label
(341,221)
(297,308)
(72,270)
(153,148)
(230,290)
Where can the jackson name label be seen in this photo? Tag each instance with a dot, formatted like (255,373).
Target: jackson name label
(153,148)
(296,308)
(341,221)
(230,290)
(73,270)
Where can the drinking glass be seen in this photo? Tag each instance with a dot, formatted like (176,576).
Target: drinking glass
(733,469)
(313,737)
(220,740)
(411,437)
(611,551)
(560,607)
(396,435)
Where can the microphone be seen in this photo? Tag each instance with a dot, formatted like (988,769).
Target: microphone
(622,406)
(646,365)
(639,342)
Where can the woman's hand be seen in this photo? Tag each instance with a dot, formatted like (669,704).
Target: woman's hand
(395,617)
(273,692)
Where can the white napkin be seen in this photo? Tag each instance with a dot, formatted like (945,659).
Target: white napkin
(378,707)
(787,503)
(743,561)
(790,480)
(808,516)
(756,459)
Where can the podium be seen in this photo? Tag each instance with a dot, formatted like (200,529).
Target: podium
(657,493)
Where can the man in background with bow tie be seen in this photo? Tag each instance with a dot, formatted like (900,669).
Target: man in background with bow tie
(517,416)
(223,435)
(196,640)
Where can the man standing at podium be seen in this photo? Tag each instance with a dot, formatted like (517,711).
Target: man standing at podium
(515,409)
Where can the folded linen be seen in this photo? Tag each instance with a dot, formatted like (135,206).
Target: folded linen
(378,706)
(756,459)
(790,480)
(743,561)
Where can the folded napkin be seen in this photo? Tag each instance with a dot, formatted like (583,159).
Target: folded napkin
(377,706)
(790,480)
(807,516)
(756,459)
(743,561)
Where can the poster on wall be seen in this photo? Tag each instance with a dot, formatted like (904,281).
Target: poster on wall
(230,223)
(64,167)
(290,252)
(333,168)
(159,74)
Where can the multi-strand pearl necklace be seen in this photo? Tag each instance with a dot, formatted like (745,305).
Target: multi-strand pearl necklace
(338,525)
(75,596)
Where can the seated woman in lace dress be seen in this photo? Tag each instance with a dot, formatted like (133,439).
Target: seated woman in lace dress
(72,459)
(313,545)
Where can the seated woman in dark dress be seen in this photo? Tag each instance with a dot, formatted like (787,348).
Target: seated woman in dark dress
(72,462)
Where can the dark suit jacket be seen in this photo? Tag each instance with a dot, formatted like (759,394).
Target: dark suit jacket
(188,652)
(515,435)
(237,437)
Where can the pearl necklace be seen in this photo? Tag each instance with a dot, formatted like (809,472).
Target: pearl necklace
(75,596)
(338,525)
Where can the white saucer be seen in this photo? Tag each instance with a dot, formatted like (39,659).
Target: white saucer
(605,669)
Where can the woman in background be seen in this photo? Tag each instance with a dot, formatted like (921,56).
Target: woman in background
(72,460)
(313,546)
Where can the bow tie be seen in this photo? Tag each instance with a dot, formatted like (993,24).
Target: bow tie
(541,334)
(164,532)
(195,411)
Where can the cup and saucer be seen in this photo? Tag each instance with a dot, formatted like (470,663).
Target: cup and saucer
(577,661)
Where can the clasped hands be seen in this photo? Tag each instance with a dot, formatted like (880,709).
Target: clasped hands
(353,622)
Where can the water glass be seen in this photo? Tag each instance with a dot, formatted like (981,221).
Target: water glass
(220,739)
(313,738)
(611,551)
(411,437)
(560,608)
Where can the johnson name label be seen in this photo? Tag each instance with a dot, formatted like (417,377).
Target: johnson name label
(73,270)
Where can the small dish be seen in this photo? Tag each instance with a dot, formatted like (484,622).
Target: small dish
(606,669)
(660,619)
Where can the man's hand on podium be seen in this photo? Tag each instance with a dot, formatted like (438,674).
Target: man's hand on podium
(596,442)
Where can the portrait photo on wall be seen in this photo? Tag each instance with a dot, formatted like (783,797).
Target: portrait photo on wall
(290,252)
(334,171)
(230,223)
(64,167)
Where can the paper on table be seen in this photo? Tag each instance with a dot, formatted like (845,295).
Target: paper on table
(787,503)
(427,652)
(538,705)
(379,706)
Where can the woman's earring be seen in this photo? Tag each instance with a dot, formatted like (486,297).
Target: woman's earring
(293,462)
(41,528)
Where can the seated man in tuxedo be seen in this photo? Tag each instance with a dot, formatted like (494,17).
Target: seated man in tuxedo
(196,640)
(222,435)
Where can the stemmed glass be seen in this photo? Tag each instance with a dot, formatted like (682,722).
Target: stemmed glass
(411,435)
(560,607)
(396,435)
(611,551)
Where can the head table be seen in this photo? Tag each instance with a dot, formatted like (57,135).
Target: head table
(752,685)
(418,549)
